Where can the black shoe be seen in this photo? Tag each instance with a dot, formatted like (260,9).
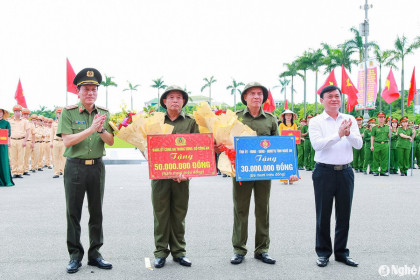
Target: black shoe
(160,262)
(237,259)
(219,173)
(40,169)
(364,172)
(26,173)
(32,170)
(49,167)
(45,166)
(384,174)
(15,176)
(375,174)
(100,262)
(348,261)
(73,266)
(56,176)
(18,176)
(402,174)
(264,257)
(370,172)
(357,171)
(183,261)
(61,173)
(224,175)
(322,261)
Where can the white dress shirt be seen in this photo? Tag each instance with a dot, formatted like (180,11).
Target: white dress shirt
(329,147)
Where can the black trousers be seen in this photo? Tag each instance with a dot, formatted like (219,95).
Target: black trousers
(330,184)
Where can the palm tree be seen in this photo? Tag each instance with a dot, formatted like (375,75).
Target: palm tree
(317,60)
(234,87)
(357,44)
(304,63)
(106,83)
(132,88)
(283,84)
(384,58)
(159,84)
(402,48)
(208,84)
(291,71)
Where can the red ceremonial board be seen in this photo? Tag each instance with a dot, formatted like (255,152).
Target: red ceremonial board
(4,134)
(296,133)
(170,155)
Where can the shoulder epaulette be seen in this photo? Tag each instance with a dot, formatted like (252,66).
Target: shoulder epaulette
(268,113)
(102,108)
(189,116)
(70,107)
(239,111)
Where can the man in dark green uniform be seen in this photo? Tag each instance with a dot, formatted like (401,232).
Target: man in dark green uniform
(301,147)
(358,153)
(379,139)
(265,124)
(366,146)
(309,151)
(404,145)
(393,156)
(170,196)
(84,129)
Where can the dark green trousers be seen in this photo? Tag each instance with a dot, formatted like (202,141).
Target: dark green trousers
(309,155)
(170,206)
(358,159)
(380,157)
(241,200)
(301,154)
(78,180)
(367,157)
(404,159)
(394,160)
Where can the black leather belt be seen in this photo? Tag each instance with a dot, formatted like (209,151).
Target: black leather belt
(18,138)
(39,141)
(85,161)
(335,167)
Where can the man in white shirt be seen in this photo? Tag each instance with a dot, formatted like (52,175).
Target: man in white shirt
(333,135)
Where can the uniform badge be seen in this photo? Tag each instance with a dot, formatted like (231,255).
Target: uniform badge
(90,74)
(180,141)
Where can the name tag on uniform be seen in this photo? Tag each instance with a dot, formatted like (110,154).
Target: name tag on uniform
(79,122)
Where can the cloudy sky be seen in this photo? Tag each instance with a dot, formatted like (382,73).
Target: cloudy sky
(182,41)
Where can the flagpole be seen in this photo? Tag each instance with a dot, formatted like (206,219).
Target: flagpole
(412,144)
(67,99)
(390,136)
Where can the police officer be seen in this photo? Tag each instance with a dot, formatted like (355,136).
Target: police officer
(57,147)
(265,124)
(357,163)
(18,140)
(404,145)
(170,196)
(309,150)
(366,146)
(379,139)
(393,155)
(29,144)
(85,130)
(301,147)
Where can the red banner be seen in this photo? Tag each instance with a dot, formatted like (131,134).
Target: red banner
(4,133)
(296,133)
(170,155)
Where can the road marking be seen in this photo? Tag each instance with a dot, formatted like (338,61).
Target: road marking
(147,263)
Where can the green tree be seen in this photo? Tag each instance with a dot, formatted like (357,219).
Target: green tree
(108,83)
(403,48)
(357,44)
(283,85)
(304,63)
(233,89)
(384,58)
(132,88)
(291,71)
(208,84)
(317,61)
(159,84)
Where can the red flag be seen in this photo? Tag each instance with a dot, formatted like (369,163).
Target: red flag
(390,92)
(269,105)
(348,88)
(70,77)
(413,90)
(329,82)
(19,96)
(286,106)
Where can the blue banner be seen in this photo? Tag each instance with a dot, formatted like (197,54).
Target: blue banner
(265,158)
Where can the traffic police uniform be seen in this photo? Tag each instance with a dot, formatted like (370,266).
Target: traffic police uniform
(84,171)
(58,148)
(380,138)
(265,124)
(404,148)
(29,143)
(170,198)
(19,135)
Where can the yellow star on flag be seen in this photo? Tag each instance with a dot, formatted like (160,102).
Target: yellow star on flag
(388,84)
(331,83)
(348,83)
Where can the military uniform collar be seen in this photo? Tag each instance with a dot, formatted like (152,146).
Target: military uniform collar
(82,108)
(262,113)
(181,114)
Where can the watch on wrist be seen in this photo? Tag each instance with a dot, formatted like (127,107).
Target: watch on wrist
(102,131)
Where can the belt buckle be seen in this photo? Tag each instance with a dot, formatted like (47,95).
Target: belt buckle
(338,167)
(89,162)
(382,142)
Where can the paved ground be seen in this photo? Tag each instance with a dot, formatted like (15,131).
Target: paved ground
(384,229)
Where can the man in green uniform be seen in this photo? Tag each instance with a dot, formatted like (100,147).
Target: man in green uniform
(379,139)
(393,156)
(84,129)
(358,153)
(309,151)
(366,146)
(170,196)
(417,146)
(301,147)
(265,124)
(404,145)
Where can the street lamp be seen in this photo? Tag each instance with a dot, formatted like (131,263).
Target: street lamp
(364,31)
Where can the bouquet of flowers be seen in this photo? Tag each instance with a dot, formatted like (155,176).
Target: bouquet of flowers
(224,128)
(135,128)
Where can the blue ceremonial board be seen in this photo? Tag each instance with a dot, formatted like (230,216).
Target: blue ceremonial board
(265,158)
